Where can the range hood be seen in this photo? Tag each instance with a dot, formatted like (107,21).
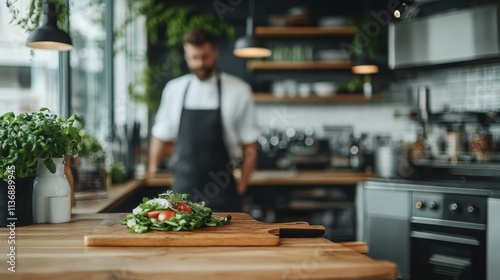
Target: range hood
(456,36)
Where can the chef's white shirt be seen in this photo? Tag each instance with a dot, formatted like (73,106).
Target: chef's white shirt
(238,111)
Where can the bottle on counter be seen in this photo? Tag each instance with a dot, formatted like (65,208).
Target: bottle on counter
(453,142)
(356,152)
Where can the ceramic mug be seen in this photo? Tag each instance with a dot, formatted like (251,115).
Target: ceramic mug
(59,209)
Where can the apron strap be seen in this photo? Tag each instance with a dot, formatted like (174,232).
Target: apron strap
(219,91)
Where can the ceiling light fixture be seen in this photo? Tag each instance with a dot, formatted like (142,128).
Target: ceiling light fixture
(249,46)
(362,65)
(48,36)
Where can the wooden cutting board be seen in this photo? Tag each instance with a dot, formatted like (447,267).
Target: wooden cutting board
(243,230)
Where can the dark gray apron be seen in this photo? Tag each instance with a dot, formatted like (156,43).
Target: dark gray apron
(204,169)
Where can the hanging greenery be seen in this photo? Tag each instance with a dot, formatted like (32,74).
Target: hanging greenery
(363,42)
(29,20)
(170,22)
(162,21)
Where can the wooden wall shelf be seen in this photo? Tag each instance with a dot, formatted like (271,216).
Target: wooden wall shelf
(263,97)
(299,65)
(303,31)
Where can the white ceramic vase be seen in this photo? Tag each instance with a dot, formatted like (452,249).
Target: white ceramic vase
(51,194)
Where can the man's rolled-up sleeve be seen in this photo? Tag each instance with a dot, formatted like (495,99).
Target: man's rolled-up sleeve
(247,124)
(163,127)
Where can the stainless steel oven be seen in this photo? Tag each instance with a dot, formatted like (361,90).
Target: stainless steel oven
(448,237)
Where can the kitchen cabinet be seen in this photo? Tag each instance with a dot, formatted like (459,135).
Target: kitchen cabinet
(493,240)
(441,229)
(328,205)
(386,222)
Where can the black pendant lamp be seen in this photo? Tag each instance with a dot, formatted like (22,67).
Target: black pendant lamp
(363,65)
(48,36)
(249,46)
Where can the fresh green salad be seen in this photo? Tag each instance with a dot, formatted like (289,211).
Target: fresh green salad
(171,212)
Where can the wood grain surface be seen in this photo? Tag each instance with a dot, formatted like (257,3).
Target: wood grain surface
(243,230)
(57,251)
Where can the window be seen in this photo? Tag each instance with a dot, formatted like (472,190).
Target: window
(28,80)
(89,95)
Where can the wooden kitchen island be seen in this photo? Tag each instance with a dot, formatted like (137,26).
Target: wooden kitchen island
(57,251)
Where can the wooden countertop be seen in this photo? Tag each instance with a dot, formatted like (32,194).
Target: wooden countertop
(116,193)
(120,192)
(57,251)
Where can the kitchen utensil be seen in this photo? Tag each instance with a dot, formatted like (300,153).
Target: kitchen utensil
(424,102)
(298,232)
(339,138)
(391,161)
(386,162)
(243,230)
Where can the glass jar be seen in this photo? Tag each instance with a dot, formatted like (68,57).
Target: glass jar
(481,145)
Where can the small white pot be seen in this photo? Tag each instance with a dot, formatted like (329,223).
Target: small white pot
(51,194)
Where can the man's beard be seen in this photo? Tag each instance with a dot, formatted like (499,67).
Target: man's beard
(203,73)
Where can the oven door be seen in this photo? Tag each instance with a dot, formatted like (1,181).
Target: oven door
(447,253)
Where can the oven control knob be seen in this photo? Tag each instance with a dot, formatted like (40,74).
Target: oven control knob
(419,204)
(471,210)
(433,205)
(454,207)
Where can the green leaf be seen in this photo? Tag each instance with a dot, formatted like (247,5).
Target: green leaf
(49,163)
(27,137)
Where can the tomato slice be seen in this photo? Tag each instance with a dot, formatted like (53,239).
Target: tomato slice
(165,215)
(183,207)
(152,214)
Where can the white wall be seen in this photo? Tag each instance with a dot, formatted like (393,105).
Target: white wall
(373,118)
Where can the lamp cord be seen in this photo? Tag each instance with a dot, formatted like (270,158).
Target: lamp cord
(251,12)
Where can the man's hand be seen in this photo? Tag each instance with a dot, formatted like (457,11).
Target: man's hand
(247,167)
(241,188)
(158,151)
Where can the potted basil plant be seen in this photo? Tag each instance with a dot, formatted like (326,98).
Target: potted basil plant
(31,143)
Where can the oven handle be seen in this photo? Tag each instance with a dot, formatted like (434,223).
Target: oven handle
(445,237)
(447,261)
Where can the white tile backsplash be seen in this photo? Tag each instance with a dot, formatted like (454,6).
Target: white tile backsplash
(474,88)
(375,119)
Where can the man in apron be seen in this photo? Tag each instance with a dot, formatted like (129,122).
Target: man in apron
(208,118)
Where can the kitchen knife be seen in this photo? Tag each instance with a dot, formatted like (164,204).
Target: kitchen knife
(299,232)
